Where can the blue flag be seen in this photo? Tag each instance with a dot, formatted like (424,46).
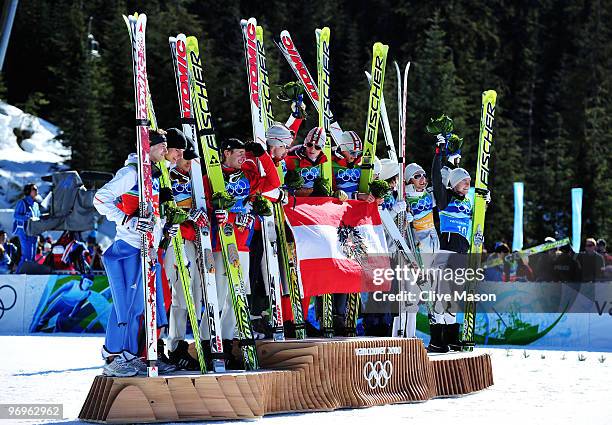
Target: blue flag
(576,218)
(517,240)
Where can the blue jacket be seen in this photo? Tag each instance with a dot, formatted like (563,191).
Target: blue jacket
(24,210)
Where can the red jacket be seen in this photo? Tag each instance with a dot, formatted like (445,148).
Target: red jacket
(257,184)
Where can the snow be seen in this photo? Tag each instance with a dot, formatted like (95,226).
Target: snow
(34,157)
(545,387)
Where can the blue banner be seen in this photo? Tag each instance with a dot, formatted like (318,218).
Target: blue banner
(517,240)
(576,218)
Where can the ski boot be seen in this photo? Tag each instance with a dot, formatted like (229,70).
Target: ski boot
(437,343)
(453,339)
(181,358)
(232,354)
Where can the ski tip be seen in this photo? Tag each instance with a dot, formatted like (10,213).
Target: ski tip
(172,40)
(285,33)
(243,22)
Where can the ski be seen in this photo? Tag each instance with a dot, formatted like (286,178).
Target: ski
(227,238)
(384,117)
(527,252)
(322,40)
(485,142)
(287,47)
(204,261)
(136,27)
(261,117)
(379,61)
(275,241)
(325,116)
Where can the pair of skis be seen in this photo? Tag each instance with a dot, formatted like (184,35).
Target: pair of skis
(379,63)
(483,172)
(211,155)
(204,259)
(261,119)
(137,27)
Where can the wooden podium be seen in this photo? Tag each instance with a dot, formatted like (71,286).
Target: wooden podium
(296,376)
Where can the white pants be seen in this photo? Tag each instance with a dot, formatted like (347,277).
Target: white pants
(228,318)
(178,307)
(441,311)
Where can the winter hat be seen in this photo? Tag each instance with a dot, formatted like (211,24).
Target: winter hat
(412,169)
(232,143)
(317,136)
(389,169)
(176,139)
(279,135)
(501,247)
(455,176)
(155,138)
(190,153)
(350,141)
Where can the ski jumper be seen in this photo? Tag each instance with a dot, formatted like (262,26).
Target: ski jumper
(117,200)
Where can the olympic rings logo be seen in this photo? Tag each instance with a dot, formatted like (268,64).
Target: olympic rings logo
(348,175)
(378,374)
(310,173)
(460,206)
(238,188)
(181,187)
(8,299)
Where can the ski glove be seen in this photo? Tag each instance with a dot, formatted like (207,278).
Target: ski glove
(255,148)
(283,196)
(142,225)
(244,220)
(341,195)
(440,141)
(171,230)
(298,109)
(198,216)
(454,159)
(399,206)
(222,216)
(408,218)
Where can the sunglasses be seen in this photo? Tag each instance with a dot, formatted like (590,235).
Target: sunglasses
(419,176)
(312,145)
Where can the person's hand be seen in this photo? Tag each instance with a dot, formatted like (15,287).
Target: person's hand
(171,230)
(440,141)
(255,148)
(370,198)
(399,206)
(341,195)
(221,216)
(298,109)
(142,225)
(454,159)
(198,216)
(408,218)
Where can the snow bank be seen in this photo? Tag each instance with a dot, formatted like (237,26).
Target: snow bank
(27,160)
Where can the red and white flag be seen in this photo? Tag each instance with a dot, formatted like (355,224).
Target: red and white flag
(339,245)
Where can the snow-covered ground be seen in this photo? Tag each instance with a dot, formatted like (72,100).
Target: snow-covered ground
(546,387)
(26,162)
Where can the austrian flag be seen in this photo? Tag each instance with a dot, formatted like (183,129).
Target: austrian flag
(338,245)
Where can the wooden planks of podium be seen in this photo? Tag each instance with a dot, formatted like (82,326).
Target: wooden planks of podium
(296,376)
